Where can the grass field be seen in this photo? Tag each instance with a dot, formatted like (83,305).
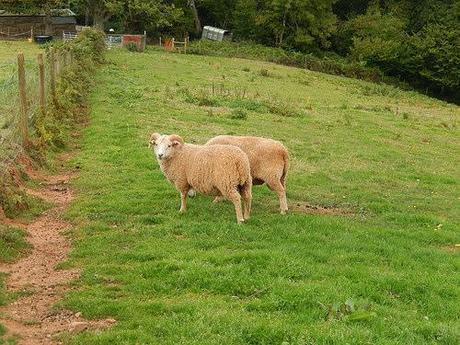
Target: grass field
(366,256)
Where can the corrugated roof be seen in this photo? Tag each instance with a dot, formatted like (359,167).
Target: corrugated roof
(59,12)
(213,29)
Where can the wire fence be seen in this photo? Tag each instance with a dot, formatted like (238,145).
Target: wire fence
(7,35)
(27,90)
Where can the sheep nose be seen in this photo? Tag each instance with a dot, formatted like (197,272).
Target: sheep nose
(160,155)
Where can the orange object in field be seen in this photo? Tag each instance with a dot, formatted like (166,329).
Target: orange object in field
(169,44)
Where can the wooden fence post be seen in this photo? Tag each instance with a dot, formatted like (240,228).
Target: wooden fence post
(64,59)
(41,83)
(24,119)
(57,58)
(52,74)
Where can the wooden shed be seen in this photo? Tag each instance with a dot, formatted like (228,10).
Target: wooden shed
(14,25)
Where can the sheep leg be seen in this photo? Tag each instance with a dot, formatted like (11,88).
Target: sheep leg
(235,198)
(218,199)
(246,194)
(278,188)
(183,202)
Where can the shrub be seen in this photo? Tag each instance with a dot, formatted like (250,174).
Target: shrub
(280,108)
(199,97)
(89,45)
(132,47)
(264,72)
(238,114)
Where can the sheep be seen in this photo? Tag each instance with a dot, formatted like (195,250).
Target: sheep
(268,159)
(219,170)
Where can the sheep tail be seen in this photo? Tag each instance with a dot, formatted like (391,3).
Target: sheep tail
(247,184)
(285,168)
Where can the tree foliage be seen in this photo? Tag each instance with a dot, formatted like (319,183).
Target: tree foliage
(130,15)
(30,6)
(421,47)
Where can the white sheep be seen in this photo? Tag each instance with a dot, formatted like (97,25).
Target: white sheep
(219,170)
(269,161)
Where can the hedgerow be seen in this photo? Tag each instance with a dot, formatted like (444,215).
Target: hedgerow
(50,129)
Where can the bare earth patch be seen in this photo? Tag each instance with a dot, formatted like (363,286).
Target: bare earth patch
(454,248)
(31,317)
(303,207)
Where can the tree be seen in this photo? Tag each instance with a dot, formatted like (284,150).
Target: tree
(196,18)
(29,6)
(35,7)
(420,48)
(149,15)
(299,24)
(244,21)
(347,9)
(134,15)
(218,13)
(435,58)
(100,10)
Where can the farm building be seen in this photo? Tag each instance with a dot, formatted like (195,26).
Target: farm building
(14,25)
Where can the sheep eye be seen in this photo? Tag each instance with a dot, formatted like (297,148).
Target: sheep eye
(169,145)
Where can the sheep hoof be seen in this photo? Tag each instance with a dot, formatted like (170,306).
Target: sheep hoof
(181,211)
(191,193)
(240,221)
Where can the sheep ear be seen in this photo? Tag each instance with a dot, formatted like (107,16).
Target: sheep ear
(153,138)
(176,140)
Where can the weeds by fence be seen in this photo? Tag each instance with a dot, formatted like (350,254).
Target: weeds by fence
(40,100)
(26,94)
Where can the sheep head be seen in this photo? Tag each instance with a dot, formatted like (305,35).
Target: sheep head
(165,145)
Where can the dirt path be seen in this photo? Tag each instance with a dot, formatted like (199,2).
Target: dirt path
(31,317)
